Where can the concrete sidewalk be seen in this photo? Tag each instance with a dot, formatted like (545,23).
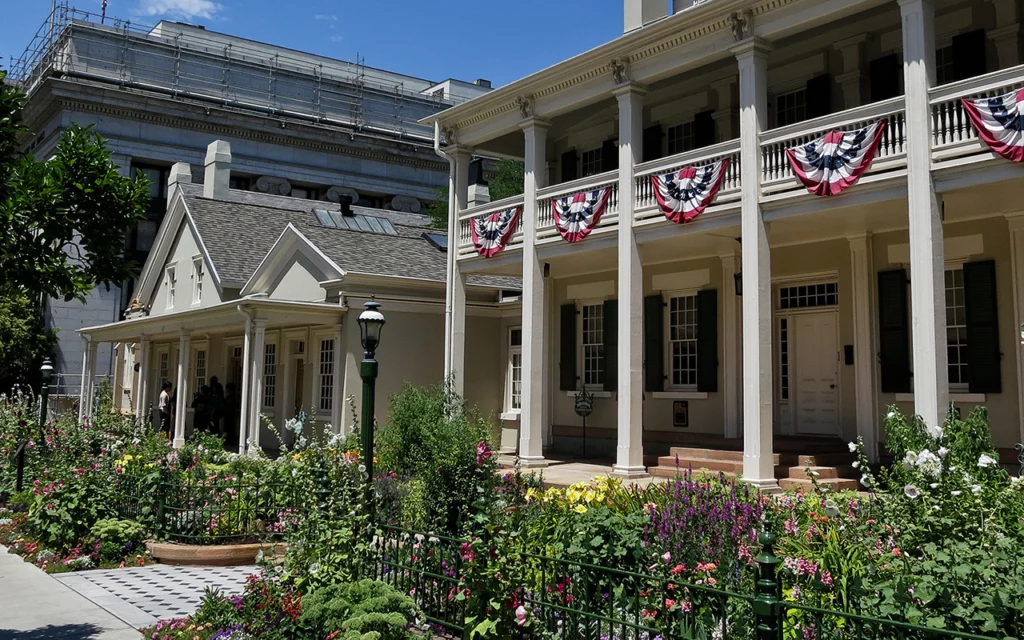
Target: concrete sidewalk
(34,606)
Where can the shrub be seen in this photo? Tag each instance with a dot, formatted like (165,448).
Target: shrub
(117,538)
(364,610)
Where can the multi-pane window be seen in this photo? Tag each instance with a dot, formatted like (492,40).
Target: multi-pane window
(682,340)
(197,280)
(200,368)
(791,107)
(327,375)
(824,294)
(681,138)
(956,327)
(165,368)
(944,72)
(783,358)
(515,369)
(172,284)
(593,344)
(591,162)
(269,374)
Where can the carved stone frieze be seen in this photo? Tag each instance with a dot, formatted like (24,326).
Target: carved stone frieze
(620,70)
(273,185)
(742,25)
(525,105)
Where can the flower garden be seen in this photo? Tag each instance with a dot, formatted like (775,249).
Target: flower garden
(448,544)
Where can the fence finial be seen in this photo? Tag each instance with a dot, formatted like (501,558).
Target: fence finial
(768,591)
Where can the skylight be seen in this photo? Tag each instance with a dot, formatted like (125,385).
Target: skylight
(439,241)
(357,222)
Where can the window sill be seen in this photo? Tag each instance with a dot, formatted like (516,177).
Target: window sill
(955,397)
(596,394)
(680,395)
(510,416)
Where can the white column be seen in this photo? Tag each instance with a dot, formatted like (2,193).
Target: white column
(758,414)
(927,265)
(629,456)
(337,374)
(456,317)
(142,399)
(245,391)
(85,385)
(531,419)
(184,356)
(256,399)
(1016,224)
(864,342)
(730,347)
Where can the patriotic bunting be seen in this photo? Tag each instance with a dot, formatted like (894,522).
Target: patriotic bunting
(1000,123)
(577,214)
(683,195)
(830,164)
(491,233)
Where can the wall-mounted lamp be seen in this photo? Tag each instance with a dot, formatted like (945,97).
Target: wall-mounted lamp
(738,282)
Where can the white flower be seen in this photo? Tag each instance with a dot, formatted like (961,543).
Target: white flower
(259,556)
(955,493)
(975,488)
(314,568)
(295,472)
(865,480)
(943,452)
(831,510)
(935,507)
(362,468)
(853,447)
(890,415)
(909,460)
(929,463)
(813,473)
(985,461)
(856,464)
(935,432)
(911,491)
(934,485)
(1014,479)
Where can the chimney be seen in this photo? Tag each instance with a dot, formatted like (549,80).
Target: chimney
(482,82)
(637,13)
(479,192)
(217,181)
(181,173)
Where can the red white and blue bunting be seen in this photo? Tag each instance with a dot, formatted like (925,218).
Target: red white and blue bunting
(577,214)
(833,162)
(683,195)
(1000,123)
(492,233)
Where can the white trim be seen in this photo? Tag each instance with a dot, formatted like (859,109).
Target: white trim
(970,398)
(666,312)
(509,416)
(954,248)
(681,281)
(198,272)
(582,364)
(590,291)
(680,395)
(286,245)
(171,282)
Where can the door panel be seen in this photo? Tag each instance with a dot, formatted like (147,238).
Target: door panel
(816,367)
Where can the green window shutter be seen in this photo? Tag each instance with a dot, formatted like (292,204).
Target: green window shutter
(652,143)
(654,343)
(569,161)
(567,344)
(893,343)
(707,340)
(983,356)
(611,345)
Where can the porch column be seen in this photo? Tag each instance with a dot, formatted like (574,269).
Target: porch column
(142,400)
(758,414)
(629,456)
(455,337)
(730,348)
(184,355)
(1016,223)
(531,418)
(245,392)
(337,373)
(88,372)
(927,265)
(864,342)
(256,397)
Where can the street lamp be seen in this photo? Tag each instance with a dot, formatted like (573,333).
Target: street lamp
(45,372)
(371,321)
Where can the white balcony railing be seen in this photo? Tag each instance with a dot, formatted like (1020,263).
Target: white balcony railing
(546,218)
(777,174)
(465,231)
(646,207)
(953,136)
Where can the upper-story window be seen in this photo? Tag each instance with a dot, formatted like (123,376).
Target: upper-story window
(944,70)
(591,164)
(791,107)
(681,138)
(593,344)
(171,282)
(197,280)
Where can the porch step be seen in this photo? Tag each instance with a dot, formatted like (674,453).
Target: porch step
(712,464)
(693,453)
(673,472)
(826,459)
(823,473)
(805,486)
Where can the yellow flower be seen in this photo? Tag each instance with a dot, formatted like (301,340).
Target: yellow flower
(531,494)
(580,509)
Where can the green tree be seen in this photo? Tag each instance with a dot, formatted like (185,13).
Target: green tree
(22,338)
(507,182)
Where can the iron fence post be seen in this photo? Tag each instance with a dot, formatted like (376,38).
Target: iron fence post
(768,591)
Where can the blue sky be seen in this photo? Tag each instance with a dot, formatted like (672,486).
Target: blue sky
(434,39)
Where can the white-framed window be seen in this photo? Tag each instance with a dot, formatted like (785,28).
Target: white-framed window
(682,341)
(327,375)
(944,73)
(592,341)
(269,374)
(680,138)
(515,369)
(783,358)
(791,107)
(200,369)
(591,162)
(171,281)
(197,279)
(164,368)
(803,296)
(956,329)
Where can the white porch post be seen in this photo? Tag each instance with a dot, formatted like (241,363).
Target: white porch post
(245,392)
(142,400)
(531,419)
(337,373)
(457,283)
(1016,223)
(629,457)
(184,356)
(730,348)
(864,343)
(758,415)
(85,386)
(256,399)
(927,265)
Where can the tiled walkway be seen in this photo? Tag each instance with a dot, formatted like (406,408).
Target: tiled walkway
(142,595)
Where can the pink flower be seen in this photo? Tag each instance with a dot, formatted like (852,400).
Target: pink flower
(520,615)
(667,557)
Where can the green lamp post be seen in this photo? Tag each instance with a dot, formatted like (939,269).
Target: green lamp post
(371,321)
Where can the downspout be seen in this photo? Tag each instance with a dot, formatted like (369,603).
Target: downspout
(243,418)
(449,294)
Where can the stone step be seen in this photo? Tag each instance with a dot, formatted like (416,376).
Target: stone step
(728,466)
(822,473)
(724,454)
(826,459)
(673,472)
(805,485)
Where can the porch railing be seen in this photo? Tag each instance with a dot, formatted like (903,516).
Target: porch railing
(776,173)
(545,215)
(952,133)
(466,218)
(646,207)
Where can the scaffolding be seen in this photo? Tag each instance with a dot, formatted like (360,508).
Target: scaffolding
(188,63)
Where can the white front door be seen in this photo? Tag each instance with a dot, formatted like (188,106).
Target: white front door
(817,372)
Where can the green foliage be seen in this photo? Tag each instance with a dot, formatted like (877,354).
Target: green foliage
(24,341)
(507,182)
(364,610)
(64,510)
(117,538)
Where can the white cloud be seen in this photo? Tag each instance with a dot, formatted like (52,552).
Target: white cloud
(182,9)
(337,38)
(325,17)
